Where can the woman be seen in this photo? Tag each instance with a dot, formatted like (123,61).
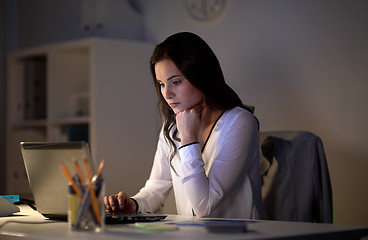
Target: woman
(208,148)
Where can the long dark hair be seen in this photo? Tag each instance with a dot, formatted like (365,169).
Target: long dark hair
(200,66)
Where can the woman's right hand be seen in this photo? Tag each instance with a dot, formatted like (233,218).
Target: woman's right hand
(188,123)
(120,203)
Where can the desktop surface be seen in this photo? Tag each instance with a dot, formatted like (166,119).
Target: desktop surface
(173,227)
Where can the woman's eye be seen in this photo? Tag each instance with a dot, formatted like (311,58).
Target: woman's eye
(176,82)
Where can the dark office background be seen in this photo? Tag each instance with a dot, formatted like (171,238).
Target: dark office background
(303,64)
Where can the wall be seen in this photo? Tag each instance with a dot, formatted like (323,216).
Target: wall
(42,21)
(303,65)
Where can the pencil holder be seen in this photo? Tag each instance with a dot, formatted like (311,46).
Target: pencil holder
(86,208)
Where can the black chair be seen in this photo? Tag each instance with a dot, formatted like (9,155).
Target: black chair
(296,181)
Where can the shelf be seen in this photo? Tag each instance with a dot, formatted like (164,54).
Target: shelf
(70,121)
(55,122)
(30,123)
(88,91)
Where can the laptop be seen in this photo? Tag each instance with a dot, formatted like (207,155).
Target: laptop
(42,161)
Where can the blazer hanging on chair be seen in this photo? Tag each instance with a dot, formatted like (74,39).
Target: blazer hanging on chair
(297,184)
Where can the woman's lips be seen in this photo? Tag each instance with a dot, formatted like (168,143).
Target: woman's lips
(173,105)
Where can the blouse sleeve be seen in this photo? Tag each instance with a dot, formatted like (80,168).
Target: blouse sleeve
(152,196)
(238,148)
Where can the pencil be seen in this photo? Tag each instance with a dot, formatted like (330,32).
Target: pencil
(100,167)
(71,180)
(92,192)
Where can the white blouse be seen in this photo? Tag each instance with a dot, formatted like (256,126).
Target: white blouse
(222,181)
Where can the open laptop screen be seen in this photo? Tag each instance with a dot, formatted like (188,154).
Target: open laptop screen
(49,186)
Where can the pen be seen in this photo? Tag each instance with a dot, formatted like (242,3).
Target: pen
(79,172)
(85,203)
(92,192)
(83,207)
(78,183)
(97,183)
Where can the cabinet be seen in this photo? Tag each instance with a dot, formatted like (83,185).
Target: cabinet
(94,89)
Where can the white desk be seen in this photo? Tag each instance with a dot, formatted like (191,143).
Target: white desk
(42,229)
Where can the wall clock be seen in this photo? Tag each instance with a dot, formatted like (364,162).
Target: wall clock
(204,10)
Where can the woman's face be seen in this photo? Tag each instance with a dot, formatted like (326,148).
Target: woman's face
(177,91)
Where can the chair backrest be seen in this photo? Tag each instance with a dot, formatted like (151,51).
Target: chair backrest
(296,182)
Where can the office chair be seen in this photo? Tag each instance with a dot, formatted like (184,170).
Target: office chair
(296,183)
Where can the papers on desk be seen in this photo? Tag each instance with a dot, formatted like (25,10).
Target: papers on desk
(212,225)
(225,226)
(217,225)
(7,208)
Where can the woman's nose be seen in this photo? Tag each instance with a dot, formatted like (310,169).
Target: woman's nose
(167,92)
